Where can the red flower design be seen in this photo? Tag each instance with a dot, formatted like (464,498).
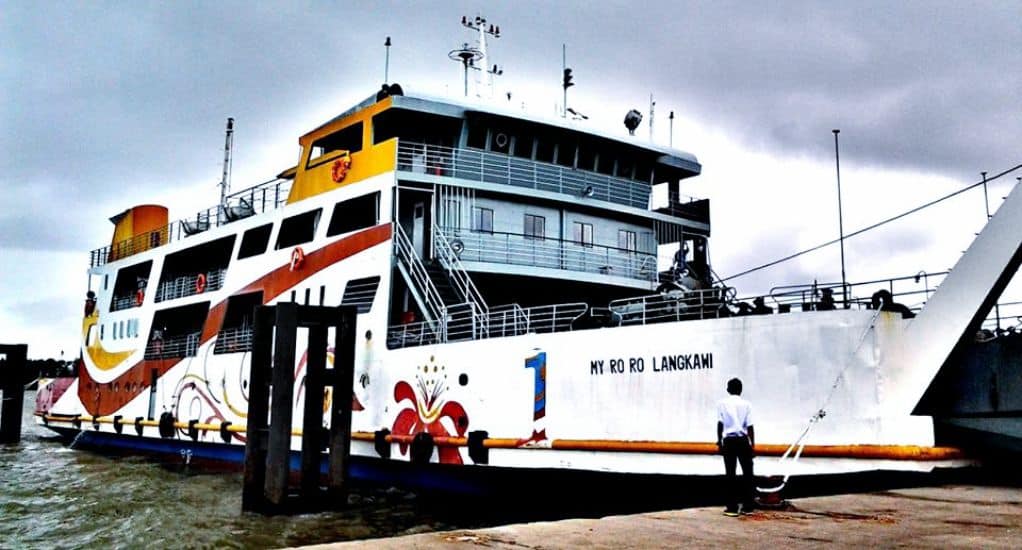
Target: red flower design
(426,416)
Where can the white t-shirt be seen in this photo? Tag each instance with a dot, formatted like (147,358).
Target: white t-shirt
(735,414)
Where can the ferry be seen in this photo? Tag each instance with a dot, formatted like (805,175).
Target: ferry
(509,273)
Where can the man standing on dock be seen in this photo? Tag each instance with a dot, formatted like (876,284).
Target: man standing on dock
(735,440)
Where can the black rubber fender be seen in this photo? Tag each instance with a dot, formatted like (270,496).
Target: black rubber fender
(225,434)
(138,425)
(422,448)
(167,425)
(117,424)
(476,450)
(193,432)
(380,442)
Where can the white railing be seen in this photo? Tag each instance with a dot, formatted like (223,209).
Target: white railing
(233,340)
(710,303)
(487,167)
(186,345)
(503,321)
(257,199)
(528,250)
(187,285)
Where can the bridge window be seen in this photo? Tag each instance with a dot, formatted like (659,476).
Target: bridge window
(582,233)
(354,214)
(347,139)
(298,229)
(535,227)
(254,241)
(482,219)
(626,240)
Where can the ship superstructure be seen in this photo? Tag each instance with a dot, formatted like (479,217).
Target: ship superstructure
(505,270)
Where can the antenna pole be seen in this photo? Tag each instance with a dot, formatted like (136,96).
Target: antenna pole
(652,104)
(670,135)
(564,69)
(386,64)
(840,219)
(225,180)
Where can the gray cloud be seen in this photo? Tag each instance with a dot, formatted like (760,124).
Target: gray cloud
(103,105)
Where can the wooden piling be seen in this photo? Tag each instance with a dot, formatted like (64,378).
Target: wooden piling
(12,376)
(271,399)
(343,378)
(278,451)
(252,498)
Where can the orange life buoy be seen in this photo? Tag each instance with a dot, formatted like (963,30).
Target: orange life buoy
(200,283)
(340,168)
(297,258)
(139,296)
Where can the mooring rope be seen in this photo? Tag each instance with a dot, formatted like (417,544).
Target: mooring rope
(799,443)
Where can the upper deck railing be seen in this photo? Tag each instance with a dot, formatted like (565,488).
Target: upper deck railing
(242,204)
(541,251)
(487,167)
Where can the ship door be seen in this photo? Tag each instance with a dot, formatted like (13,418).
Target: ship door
(419,229)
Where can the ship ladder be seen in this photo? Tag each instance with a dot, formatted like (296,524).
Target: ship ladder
(771,495)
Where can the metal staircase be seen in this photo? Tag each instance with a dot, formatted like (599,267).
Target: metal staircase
(420,284)
(458,278)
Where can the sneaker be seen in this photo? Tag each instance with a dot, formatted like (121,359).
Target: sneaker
(731,513)
(745,509)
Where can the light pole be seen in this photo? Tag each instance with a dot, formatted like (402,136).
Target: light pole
(840,219)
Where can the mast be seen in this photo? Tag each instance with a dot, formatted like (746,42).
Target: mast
(225,180)
(468,56)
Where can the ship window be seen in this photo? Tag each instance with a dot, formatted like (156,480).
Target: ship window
(643,172)
(482,219)
(298,229)
(182,269)
(102,329)
(500,141)
(523,146)
(605,163)
(176,331)
(254,241)
(476,134)
(626,240)
(544,150)
(625,168)
(347,139)
(235,333)
(582,233)
(354,214)
(129,282)
(586,157)
(566,154)
(535,227)
(360,293)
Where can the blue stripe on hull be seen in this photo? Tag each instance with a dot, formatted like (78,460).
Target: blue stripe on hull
(444,478)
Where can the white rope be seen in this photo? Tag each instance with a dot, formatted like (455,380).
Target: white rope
(799,445)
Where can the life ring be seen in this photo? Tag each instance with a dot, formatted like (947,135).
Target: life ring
(200,283)
(139,296)
(297,258)
(340,168)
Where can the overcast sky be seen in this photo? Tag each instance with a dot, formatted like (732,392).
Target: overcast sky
(109,104)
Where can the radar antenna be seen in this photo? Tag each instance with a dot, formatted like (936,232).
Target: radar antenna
(470,56)
(225,180)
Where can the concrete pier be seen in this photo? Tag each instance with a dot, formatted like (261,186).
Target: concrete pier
(964,516)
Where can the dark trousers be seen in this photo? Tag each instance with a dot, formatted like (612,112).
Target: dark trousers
(737,449)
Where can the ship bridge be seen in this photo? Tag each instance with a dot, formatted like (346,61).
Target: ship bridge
(537,210)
